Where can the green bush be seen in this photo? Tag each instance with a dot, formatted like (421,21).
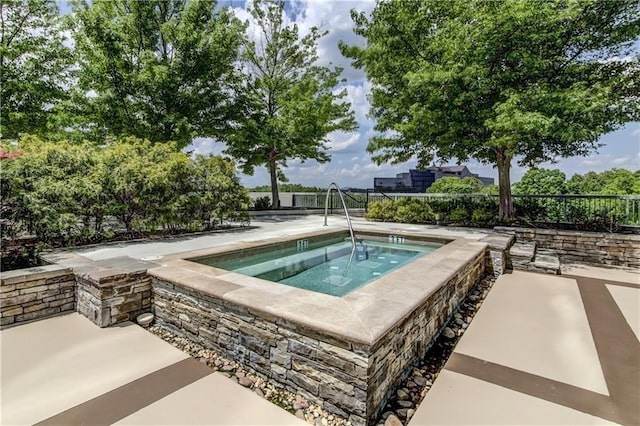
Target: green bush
(262,203)
(458,210)
(411,210)
(383,211)
(482,217)
(68,193)
(460,216)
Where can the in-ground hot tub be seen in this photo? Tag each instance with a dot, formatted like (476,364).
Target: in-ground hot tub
(335,267)
(345,352)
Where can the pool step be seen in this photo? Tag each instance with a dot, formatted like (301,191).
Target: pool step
(527,257)
(522,254)
(546,261)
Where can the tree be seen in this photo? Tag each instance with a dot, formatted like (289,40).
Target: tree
(290,104)
(34,66)
(609,182)
(538,181)
(455,185)
(491,80)
(156,69)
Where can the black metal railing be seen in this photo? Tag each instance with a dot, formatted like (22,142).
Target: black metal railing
(623,209)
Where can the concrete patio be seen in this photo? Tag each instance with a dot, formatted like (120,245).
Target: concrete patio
(546,349)
(543,349)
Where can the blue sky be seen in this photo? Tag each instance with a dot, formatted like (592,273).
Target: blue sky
(350,164)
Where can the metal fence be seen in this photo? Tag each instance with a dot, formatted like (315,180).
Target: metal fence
(622,209)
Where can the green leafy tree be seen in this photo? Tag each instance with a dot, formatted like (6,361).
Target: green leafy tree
(609,182)
(290,104)
(539,181)
(455,185)
(142,179)
(491,190)
(155,69)
(221,196)
(34,66)
(492,80)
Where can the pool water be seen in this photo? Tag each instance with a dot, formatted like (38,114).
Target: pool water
(335,269)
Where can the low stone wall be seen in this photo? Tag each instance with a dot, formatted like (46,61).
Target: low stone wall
(499,261)
(321,368)
(583,247)
(109,297)
(36,293)
(391,357)
(348,378)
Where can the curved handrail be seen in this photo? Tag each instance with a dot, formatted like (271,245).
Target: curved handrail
(331,186)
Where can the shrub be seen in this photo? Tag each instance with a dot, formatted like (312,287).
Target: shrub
(483,218)
(262,203)
(460,216)
(65,193)
(411,210)
(384,211)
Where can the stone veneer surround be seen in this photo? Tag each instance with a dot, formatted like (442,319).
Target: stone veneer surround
(35,293)
(597,248)
(345,353)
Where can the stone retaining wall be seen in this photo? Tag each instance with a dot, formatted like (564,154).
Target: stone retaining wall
(392,357)
(347,378)
(112,297)
(321,368)
(583,247)
(36,293)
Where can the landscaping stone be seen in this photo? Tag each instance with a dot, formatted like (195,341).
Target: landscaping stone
(448,333)
(392,420)
(402,395)
(245,381)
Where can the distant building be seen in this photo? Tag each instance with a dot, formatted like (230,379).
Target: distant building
(420,180)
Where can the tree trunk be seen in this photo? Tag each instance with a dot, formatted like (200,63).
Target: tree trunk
(275,197)
(504,183)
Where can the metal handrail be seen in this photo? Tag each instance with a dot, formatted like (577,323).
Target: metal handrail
(331,186)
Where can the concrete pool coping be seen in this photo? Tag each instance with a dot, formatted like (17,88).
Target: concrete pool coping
(363,316)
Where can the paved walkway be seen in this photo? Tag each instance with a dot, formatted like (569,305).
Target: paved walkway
(546,349)
(67,371)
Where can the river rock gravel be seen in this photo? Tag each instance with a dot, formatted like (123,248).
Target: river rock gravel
(399,409)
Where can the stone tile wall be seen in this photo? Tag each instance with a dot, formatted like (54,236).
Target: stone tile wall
(391,358)
(499,260)
(109,297)
(584,247)
(321,368)
(351,379)
(36,293)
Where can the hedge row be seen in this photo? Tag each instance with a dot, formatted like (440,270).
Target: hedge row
(66,193)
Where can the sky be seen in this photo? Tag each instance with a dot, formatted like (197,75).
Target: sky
(350,164)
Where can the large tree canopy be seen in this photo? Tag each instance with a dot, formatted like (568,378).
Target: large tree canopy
(495,79)
(34,66)
(156,69)
(538,181)
(290,104)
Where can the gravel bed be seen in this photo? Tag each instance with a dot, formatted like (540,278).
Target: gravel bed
(400,407)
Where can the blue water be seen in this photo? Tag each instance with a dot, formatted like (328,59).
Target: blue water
(333,269)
